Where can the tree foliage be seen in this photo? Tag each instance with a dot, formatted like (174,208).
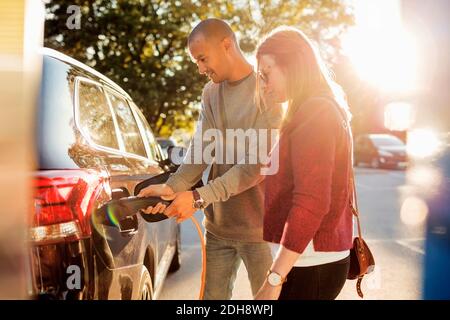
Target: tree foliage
(141,45)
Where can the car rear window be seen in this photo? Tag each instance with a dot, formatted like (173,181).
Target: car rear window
(386,141)
(127,124)
(150,137)
(95,115)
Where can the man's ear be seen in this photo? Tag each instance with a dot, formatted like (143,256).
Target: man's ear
(227,43)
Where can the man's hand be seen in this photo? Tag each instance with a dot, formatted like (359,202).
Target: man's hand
(182,206)
(157,190)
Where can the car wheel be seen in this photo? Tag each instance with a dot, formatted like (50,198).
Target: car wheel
(175,264)
(146,286)
(375,163)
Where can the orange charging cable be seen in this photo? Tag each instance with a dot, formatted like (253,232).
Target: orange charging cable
(202,242)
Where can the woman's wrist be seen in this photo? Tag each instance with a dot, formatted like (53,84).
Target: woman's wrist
(284,261)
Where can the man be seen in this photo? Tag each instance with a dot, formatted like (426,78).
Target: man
(233,197)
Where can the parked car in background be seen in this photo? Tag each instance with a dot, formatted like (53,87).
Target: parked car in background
(94,145)
(380,151)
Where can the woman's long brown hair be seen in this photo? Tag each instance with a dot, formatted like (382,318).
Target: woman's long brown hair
(305,71)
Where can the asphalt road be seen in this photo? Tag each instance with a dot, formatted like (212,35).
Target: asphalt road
(398,248)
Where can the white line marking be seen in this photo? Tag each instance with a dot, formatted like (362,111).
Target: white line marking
(409,246)
(374,188)
(393,240)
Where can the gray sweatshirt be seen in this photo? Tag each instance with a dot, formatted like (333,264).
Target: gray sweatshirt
(234,193)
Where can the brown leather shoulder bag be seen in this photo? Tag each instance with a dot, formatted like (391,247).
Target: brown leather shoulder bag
(361,258)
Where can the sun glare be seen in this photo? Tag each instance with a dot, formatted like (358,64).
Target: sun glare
(398,116)
(422,143)
(382,52)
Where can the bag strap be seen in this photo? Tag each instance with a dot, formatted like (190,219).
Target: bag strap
(352,187)
(354,200)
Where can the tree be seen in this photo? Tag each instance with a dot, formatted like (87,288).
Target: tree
(141,45)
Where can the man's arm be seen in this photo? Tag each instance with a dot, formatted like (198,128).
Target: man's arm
(242,176)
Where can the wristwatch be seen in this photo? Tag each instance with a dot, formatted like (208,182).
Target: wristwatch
(198,203)
(274,279)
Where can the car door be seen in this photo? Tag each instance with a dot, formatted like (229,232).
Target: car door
(166,229)
(358,150)
(100,146)
(129,241)
(372,150)
(365,150)
(120,143)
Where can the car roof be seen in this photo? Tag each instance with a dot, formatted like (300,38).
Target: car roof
(65,58)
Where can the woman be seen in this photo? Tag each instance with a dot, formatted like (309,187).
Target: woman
(307,211)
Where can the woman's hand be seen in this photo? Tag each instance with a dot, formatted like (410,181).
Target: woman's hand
(268,292)
(283,263)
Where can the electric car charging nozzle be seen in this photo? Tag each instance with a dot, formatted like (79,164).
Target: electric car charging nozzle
(129,206)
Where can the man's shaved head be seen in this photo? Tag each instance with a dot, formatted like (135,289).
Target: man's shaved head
(212,29)
(213,47)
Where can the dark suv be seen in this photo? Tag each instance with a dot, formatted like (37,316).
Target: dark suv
(93,146)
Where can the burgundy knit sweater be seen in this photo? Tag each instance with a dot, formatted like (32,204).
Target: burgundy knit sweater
(308,199)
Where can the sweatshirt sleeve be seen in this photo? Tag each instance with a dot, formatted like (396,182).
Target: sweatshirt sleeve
(243,175)
(312,148)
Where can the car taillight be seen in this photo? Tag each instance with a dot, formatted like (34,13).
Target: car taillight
(63,201)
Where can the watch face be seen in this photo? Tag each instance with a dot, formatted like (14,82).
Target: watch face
(274,279)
